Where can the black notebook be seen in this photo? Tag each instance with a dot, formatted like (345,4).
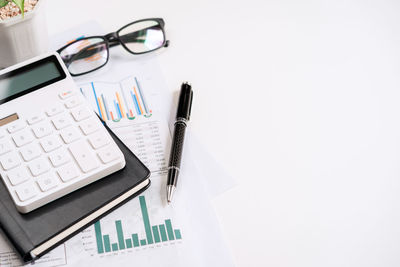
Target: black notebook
(35,233)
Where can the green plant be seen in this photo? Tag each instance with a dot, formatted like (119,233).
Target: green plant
(19,3)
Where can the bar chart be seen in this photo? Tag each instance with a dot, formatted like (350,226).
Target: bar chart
(116,100)
(154,234)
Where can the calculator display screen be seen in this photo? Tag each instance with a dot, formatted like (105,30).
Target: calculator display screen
(29,78)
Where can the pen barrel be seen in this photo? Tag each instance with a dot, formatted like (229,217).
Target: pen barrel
(177,144)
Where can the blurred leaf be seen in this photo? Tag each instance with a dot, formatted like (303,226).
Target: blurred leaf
(3,3)
(20,5)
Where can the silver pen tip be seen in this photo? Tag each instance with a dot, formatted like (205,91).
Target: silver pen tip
(170,193)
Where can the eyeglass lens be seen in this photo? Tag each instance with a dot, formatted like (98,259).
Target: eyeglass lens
(85,55)
(142,37)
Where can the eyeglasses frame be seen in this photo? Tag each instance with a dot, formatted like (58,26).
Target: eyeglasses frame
(113,39)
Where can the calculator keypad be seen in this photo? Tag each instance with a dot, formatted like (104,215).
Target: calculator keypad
(26,191)
(18,175)
(48,181)
(56,109)
(5,146)
(23,137)
(42,129)
(68,172)
(82,153)
(10,160)
(30,152)
(35,119)
(46,155)
(16,126)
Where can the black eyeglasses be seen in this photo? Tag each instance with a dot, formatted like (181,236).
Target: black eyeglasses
(91,53)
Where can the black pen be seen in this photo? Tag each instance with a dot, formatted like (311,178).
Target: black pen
(182,117)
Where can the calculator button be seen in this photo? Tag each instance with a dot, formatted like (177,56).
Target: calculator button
(89,126)
(26,191)
(18,175)
(50,143)
(98,140)
(73,102)
(31,151)
(61,121)
(108,154)
(35,119)
(59,157)
(47,181)
(5,146)
(19,125)
(66,94)
(54,110)
(83,155)
(42,129)
(23,137)
(81,113)
(10,160)
(68,172)
(70,134)
(39,166)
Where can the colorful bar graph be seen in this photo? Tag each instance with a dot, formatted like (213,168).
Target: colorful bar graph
(137,98)
(105,106)
(95,97)
(117,109)
(114,101)
(125,102)
(134,99)
(121,107)
(102,112)
(154,234)
(142,96)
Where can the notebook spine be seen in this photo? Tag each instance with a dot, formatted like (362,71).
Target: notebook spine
(15,234)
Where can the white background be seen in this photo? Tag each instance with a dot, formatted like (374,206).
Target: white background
(299,101)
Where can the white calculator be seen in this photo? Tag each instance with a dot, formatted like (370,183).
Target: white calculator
(51,141)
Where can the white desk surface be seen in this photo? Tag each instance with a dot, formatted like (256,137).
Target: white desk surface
(299,100)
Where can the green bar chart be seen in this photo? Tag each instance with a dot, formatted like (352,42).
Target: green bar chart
(106,243)
(99,238)
(135,239)
(153,233)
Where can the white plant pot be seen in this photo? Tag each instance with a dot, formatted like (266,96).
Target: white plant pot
(23,38)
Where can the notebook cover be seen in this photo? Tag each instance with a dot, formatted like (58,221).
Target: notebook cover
(27,231)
